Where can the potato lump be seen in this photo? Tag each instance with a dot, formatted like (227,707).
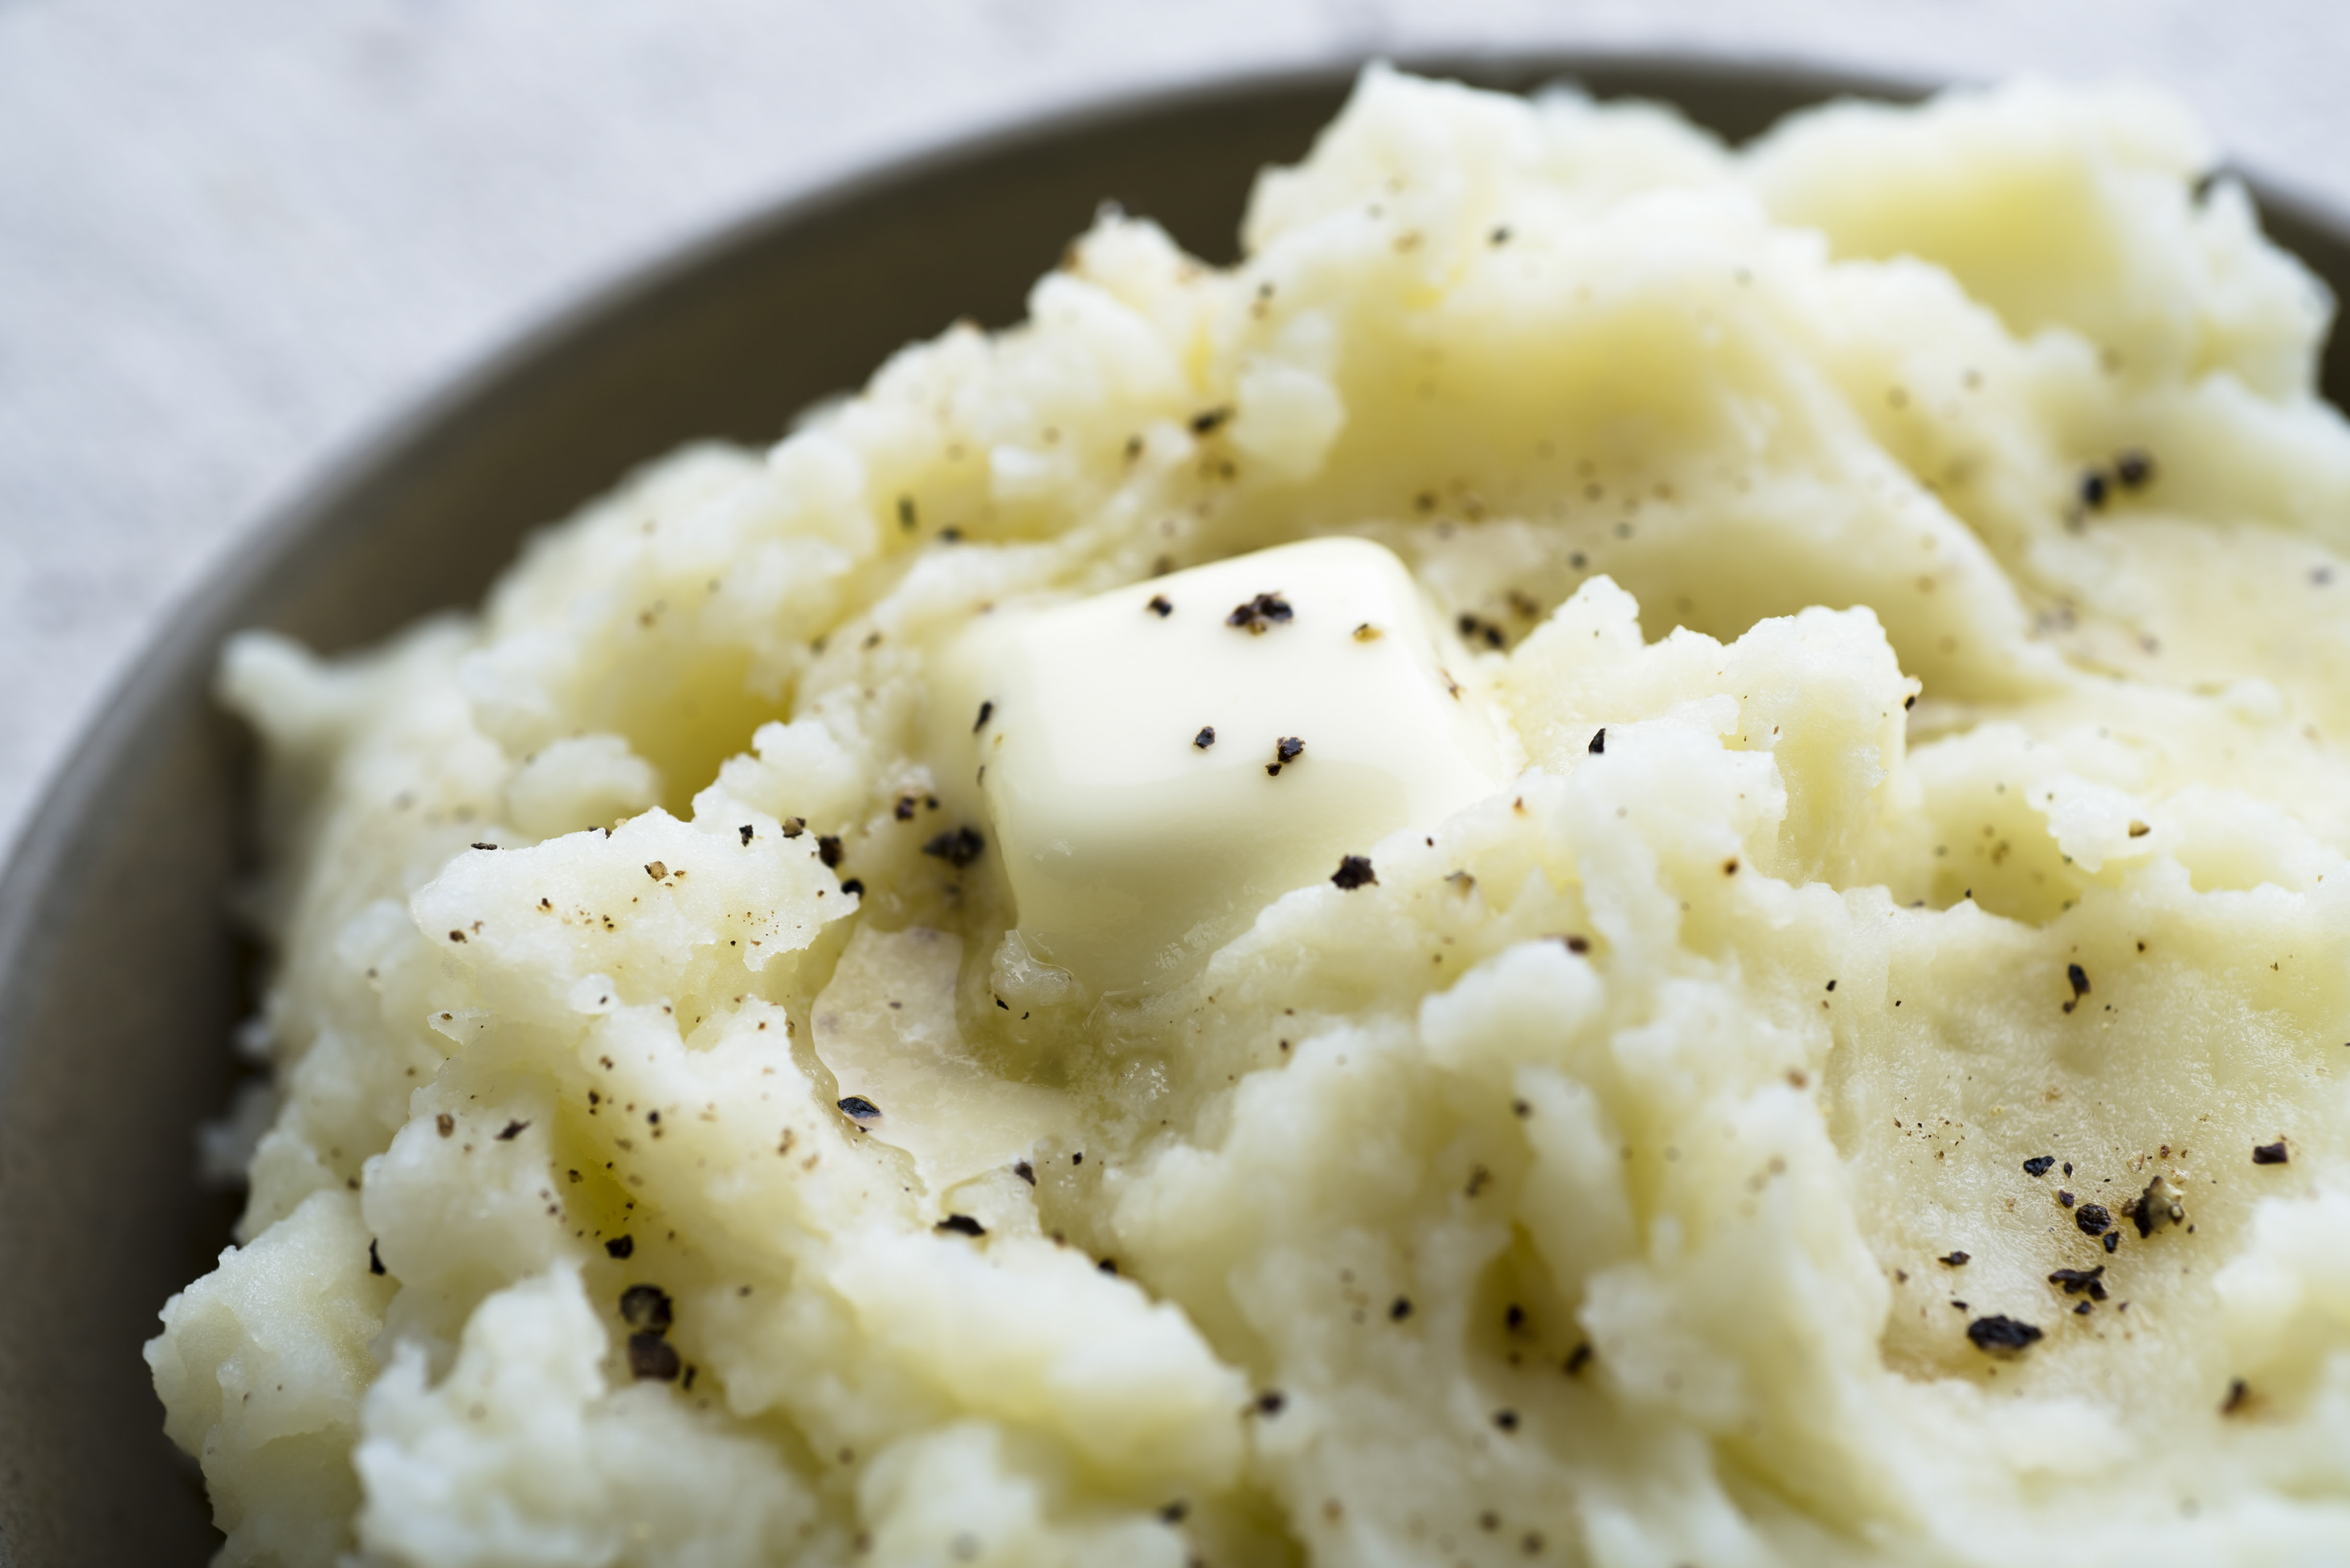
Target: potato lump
(1861,1090)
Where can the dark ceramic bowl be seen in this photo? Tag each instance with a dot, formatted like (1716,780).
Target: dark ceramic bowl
(121,973)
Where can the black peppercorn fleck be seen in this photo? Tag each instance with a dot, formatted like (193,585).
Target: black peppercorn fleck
(1475,629)
(647,1308)
(957,847)
(1354,871)
(1260,614)
(2075,1281)
(652,1357)
(2001,1333)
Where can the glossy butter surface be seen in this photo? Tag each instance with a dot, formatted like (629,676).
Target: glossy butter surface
(1131,845)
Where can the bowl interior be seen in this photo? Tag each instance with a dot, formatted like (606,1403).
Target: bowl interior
(121,974)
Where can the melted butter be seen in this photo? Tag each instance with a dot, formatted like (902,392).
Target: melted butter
(1130,847)
(885,1025)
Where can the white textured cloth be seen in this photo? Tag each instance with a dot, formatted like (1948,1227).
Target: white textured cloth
(236,237)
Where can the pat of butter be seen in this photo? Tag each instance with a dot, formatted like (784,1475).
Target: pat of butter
(1139,751)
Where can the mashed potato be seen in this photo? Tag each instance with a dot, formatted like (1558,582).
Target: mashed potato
(1859,1087)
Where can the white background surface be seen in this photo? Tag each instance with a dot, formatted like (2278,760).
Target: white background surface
(237,236)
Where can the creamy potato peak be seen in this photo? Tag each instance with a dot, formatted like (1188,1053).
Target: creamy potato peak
(1632,855)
